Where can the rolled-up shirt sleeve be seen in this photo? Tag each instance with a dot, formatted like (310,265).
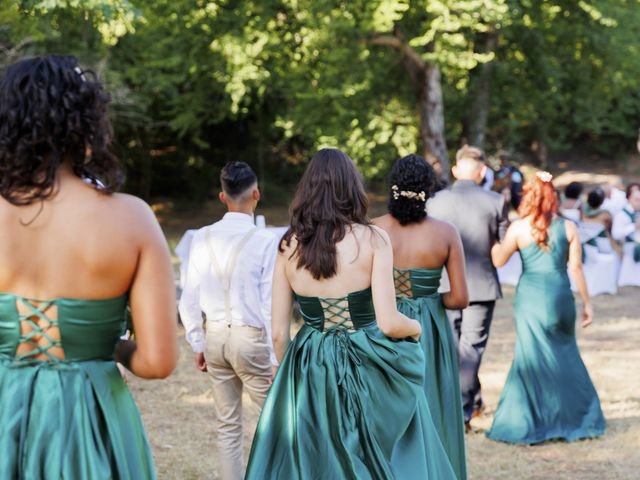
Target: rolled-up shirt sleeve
(622,226)
(189,305)
(266,283)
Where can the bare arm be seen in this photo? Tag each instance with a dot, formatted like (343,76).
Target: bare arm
(153,305)
(575,268)
(391,322)
(281,302)
(458,295)
(501,252)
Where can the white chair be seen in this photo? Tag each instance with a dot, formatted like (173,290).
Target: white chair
(600,265)
(182,252)
(629,269)
(510,272)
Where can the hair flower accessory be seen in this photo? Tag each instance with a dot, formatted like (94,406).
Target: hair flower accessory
(397,193)
(544,176)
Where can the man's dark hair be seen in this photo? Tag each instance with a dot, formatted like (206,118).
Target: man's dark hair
(595,199)
(236,178)
(573,190)
(631,187)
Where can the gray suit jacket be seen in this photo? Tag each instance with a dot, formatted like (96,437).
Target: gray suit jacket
(482,219)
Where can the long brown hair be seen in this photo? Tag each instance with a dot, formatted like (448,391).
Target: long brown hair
(540,202)
(330,197)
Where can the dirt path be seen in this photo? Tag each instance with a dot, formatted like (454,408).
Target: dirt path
(177,412)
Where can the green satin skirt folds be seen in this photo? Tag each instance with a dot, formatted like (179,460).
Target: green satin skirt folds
(441,383)
(348,406)
(72,419)
(75,421)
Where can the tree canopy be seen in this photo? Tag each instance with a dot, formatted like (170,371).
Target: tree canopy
(196,83)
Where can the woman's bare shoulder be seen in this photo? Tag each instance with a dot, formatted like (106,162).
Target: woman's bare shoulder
(441,226)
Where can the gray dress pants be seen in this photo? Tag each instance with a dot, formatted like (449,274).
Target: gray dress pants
(471,332)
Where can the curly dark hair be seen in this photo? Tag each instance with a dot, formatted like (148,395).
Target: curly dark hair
(51,111)
(410,175)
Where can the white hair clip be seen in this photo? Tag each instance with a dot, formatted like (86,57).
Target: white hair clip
(79,72)
(544,176)
(397,193)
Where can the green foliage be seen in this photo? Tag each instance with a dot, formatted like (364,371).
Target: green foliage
(196,83)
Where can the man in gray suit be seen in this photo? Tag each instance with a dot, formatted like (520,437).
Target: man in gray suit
(482,220)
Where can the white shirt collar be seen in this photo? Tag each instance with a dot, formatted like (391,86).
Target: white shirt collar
(238,217)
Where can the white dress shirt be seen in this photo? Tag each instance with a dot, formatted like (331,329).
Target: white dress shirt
(623,225)
(251,280)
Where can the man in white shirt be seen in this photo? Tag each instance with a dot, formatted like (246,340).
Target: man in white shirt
(229,281)
(627,221)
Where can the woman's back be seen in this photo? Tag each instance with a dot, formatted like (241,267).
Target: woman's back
(551,260)
(424,244)
(355,257)
(80,243)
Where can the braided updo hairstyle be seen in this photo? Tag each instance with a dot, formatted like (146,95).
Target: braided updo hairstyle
(52,111)
(412,182)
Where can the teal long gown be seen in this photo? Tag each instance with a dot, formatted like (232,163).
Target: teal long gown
(347,403)
(548,394)
(72,418)
(417,297)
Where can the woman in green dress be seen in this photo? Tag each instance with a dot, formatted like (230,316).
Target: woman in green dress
(422,246)
(73,256)
(548,394)
(348,399)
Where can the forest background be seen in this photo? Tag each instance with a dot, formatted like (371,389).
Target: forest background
(198,83)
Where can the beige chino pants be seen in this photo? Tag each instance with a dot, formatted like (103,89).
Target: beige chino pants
(237,357)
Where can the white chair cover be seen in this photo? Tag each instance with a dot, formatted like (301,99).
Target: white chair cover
(572,214)
(630,269)
(182,252)
(510,272)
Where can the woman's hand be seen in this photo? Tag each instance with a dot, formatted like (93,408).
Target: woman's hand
(587,315)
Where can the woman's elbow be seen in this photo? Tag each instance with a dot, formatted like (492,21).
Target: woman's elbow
(456,302)
(160,364)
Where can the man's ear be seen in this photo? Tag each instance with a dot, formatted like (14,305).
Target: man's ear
(256,195)
(222,197)
(483,171)
(454,171)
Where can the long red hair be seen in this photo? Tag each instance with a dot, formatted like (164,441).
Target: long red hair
(540,202)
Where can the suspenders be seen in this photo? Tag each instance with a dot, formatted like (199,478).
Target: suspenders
(632,217)
(225,276)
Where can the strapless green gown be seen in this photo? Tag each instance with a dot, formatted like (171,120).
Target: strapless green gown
(548,394)
(71,418)
(418,298)
(347,403)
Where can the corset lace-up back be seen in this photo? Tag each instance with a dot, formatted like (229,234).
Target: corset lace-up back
(39,338)
(337,318)
(402,281)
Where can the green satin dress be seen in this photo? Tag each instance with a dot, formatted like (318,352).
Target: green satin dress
(347,403)
(548,394)
(417,297)
(72,418)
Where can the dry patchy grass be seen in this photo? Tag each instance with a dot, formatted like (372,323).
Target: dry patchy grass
(178,412)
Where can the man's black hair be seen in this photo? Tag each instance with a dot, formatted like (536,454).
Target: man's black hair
(236,178)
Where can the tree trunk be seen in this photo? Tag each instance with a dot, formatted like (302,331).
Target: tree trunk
(431,108)
(481,94)
(428,88)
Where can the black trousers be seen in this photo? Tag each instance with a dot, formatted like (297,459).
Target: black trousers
(471,331)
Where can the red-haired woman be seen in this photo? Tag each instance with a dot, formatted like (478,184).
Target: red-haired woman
(548,394)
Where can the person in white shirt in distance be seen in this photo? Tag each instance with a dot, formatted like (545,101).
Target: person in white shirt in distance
(229,280)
